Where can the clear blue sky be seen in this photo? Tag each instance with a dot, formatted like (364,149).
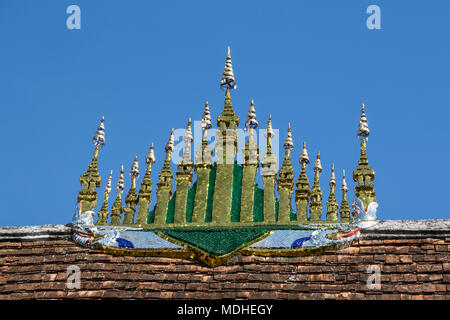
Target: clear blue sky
(147,66)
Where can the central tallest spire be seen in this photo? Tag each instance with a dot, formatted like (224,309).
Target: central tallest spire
(228,118)
(226,149)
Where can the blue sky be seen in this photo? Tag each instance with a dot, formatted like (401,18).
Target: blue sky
(147,66)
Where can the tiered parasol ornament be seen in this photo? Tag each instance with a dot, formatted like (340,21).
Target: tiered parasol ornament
(251,117)
(151,159)
(363,127)
(99,137)
(228,81)
(134,173)
(121,183)
(288,143)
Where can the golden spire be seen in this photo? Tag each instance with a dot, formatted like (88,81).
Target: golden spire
(120,183)
(251,150)
(302,192)
(332,204)
(166,175)
(186,161)
(145,191)
(203,155)
(363,175)
(117,207)
(131,199)
(286,172)
(228,118)
(288,145)
(164,189)
(269,134)
(286,181)
(228,80)
(90,180)
(103,213)
(316,192)
(269,162)
(344,210)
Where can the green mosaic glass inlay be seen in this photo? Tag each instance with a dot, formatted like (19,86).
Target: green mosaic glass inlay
(217,242)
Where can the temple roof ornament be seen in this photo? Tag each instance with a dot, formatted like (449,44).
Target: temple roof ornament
(134,172)
(363,175)
(318,164)
(363,126)
(104,213)
(269,131)
(121,182)
(150,159)
(99,137)
(206,119)
(269,160)
(170,143)
(304,156)
(224,209)
(344,183)
(228,81)
(186,158)
(333,177)
(108,184)
(251,117)
(288,143)
(188,134)
(286,171)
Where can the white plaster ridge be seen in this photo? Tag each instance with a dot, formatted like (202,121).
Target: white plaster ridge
(35,233)
(386,229)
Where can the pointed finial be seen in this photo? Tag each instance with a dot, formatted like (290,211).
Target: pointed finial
(288,143)
(188,134)
(151,156)
(333,177)
(120,184)
(251,117)
(228,81)
(269,131)
(363,127)
(304,156)
(318,165)
(344,183)
(206,119)
(108,184)
(135,168)
(169,145)
(99,137)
